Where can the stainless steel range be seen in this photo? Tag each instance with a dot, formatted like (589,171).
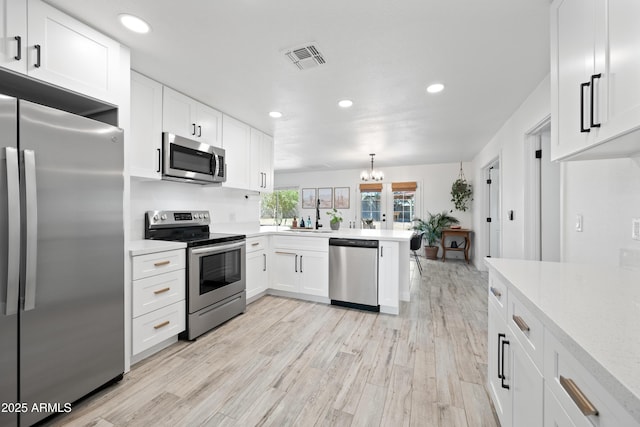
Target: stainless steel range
(216,267)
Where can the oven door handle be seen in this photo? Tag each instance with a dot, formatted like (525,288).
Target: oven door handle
(212,249)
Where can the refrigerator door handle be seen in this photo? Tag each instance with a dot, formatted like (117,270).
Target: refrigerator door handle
(10,154)
(31,214)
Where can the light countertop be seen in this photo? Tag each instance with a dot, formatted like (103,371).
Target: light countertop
(393,235)
(143,247)
(593,310)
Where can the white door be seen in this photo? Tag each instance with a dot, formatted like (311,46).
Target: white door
(373,209)
(493,218)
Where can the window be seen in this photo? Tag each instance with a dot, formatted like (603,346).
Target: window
(279,207)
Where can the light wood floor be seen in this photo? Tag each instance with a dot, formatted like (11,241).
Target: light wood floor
(288,362)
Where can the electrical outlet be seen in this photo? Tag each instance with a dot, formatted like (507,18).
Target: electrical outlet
(635,228)
(578,222)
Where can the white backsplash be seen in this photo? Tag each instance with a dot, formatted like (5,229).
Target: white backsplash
(229,208)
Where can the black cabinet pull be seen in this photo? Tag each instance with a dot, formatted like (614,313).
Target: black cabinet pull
(500,336)
(582,128)
(193,132)
(591,107)
(38,56)
(296,264)
(300,263)
(159,160)
(199,130)
(264,268)
(502,366)
(18,57)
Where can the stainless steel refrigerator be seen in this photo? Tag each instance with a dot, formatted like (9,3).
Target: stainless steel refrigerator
(61,259)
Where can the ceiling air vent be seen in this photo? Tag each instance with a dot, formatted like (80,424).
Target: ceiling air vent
(305,56)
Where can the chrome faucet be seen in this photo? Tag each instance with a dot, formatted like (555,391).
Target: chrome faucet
(318,225)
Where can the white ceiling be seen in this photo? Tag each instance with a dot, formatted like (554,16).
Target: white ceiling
(381,54)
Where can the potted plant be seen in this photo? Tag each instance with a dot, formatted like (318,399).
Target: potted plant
(431,230)
(461,192)
(336,219)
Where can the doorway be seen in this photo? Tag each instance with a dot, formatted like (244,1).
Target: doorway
(390,206)
(492,175)
(542,233)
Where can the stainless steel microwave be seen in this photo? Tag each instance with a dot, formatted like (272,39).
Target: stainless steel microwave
(191,161)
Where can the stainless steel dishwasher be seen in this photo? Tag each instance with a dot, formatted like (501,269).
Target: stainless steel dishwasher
(353,273)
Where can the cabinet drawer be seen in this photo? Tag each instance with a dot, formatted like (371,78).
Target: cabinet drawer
(157,326)
(256,244)
(301,243)
(527,329)
(554,414)
(152,293)
(498,294)
(567,378)
(157,263)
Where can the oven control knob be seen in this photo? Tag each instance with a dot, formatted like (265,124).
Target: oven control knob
(155,218)
(163,217)
(200,216)
(206,216)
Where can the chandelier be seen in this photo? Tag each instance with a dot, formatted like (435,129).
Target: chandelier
(371,175)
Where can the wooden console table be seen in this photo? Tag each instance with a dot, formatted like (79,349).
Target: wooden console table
(456,232)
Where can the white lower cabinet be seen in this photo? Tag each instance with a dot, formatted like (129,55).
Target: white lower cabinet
(257,273)
(301,265)
(499,361)
(526,388)
(158,298)
(515,381)
(388,276)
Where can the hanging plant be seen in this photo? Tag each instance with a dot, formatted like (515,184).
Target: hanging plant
(461,192)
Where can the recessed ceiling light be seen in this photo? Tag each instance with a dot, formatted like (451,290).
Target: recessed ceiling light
(345,103)
(435,88)
(134,23)
(275,114)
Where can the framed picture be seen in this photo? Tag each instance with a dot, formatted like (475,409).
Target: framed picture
(341,198)
(308,198)
(325,195)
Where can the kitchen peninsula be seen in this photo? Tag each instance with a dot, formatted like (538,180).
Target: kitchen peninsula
(272,266)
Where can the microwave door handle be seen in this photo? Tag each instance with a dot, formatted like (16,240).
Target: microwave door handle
(31,214)
(216,168)
(10,154)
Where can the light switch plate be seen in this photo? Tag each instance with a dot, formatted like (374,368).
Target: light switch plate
(635,228)
(578,222)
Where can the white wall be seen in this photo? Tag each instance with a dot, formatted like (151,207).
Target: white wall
(508,145)
(607,194)
(228,207)
(433,193)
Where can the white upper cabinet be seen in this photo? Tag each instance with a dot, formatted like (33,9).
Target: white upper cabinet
(145,145)
(595,89)
(261,165)
(189,118)
(236,141)
(13,34)
(58,49)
